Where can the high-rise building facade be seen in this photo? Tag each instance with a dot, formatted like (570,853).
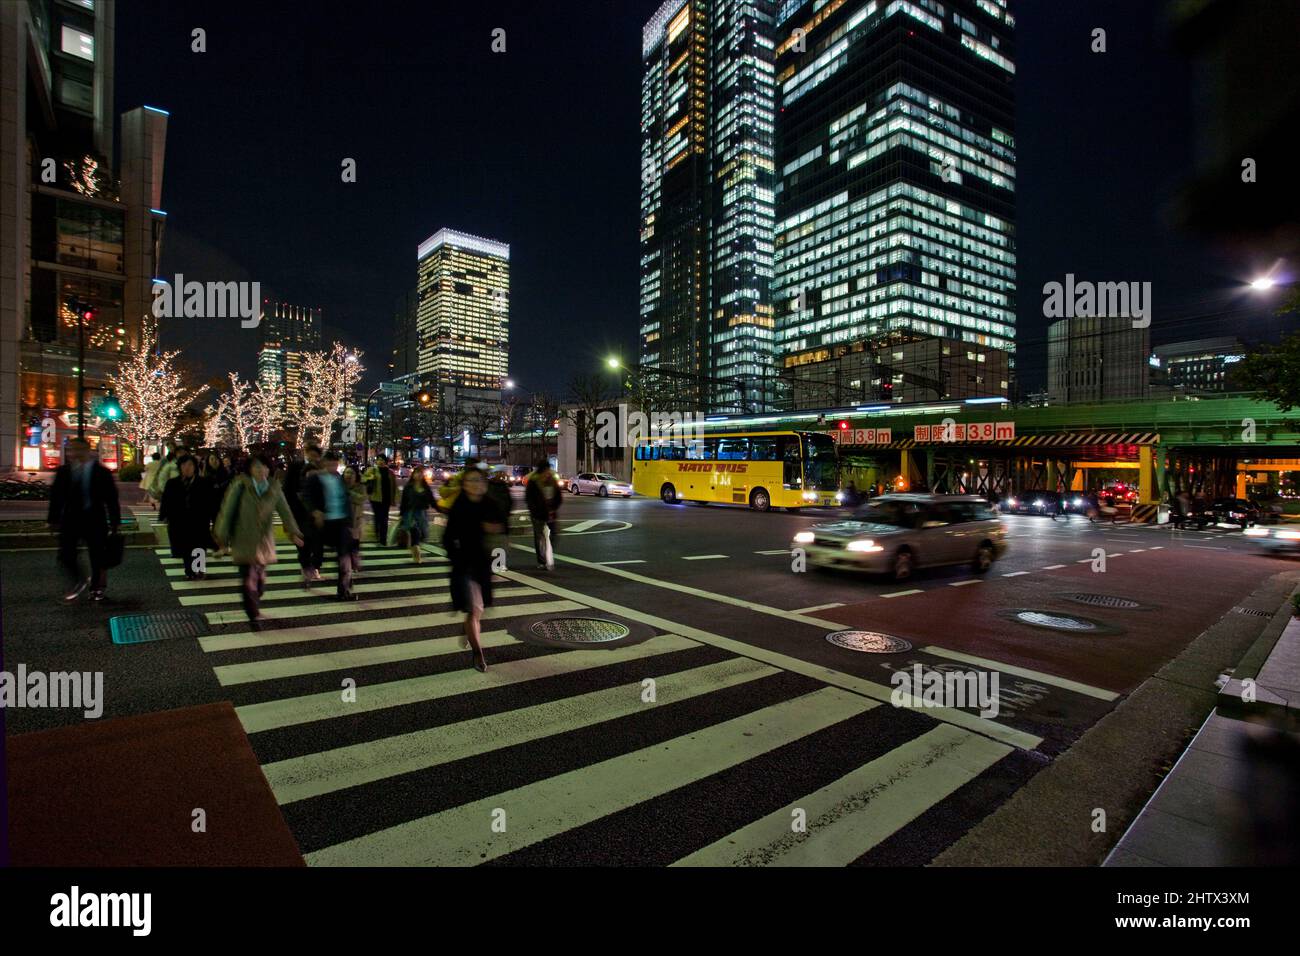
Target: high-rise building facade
(463,311)
(1199,366)
(288,333)
(80,222)
(895,160)
(1097,359)
(406,342)
(707,101)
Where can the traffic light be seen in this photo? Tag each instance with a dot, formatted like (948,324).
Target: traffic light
(887,391)
(844,426)
(111,408)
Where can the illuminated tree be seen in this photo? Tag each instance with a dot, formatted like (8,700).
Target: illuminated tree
(151,391)
(329,379)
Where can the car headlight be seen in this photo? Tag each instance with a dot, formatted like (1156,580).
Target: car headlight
(1263,533)
(865,545)
(1011,502)
(1078,502)
(1038,502)
(1286,535)
(804,537)
(839,496)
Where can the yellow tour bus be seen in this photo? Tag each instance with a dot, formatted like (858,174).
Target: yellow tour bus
(763,470)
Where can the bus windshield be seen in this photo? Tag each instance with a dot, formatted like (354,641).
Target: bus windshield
(820,467)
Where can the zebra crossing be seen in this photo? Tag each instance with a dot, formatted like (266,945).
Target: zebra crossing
(384,747)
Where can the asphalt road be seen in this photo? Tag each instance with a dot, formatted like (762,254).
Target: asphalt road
(723,720)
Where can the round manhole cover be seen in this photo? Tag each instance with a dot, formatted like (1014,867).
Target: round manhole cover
(1104,600)
(580,630)
(1056,622)
(869,642)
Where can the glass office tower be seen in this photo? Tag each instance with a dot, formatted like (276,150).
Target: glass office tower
(895,159)
(707,101)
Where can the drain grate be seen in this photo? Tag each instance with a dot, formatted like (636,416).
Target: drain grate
(869,642)
(580,630)
(1103,600)
(163,626)
(1057,622)
(1253,611)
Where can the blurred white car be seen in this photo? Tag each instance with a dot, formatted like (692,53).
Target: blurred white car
(599,483)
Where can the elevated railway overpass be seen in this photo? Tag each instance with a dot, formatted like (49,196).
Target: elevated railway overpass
(1207,446)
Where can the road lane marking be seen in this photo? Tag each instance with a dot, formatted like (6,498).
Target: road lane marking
(1204,547)
(1016,574)
(818,607)
(1137,550)
(857,685)
(894,594)
(460,836)
(777,551)
(291,711)
(855,813)
(382,625)
(295,575)
(1062,682)
(1156,547)
(702,557)
(276,668)
(1053,567)
(627,561)
(357,764)
(960,584)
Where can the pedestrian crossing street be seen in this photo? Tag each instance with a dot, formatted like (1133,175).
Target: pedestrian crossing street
(384,747)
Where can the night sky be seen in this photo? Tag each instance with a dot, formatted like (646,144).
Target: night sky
(539,147)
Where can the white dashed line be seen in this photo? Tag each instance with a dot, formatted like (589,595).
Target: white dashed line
(818,607)
(702,557)
(1053,567)
(1014,574)
(627,561)
(901,593)
(778,551)
(958,584)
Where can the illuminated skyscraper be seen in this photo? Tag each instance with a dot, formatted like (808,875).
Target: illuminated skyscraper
(896,155)
(288,333)
(706,200)
(463,311)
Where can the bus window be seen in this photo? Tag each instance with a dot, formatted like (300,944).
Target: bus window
(733,449)
(821,469)
(762,449)
(791,461)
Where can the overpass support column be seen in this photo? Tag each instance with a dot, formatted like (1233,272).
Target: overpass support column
(1162,476)
(1147,491)
(904,468)
(1051,482)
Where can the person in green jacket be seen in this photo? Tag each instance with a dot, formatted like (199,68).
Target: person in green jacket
(381,485)
(246,525)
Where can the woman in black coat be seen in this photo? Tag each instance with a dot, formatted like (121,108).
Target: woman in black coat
(187,509)
(473,516)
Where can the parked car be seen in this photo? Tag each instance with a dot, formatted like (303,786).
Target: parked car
(599,483)
(1032,503)
(1270,508)
(897,533)
(1237,511)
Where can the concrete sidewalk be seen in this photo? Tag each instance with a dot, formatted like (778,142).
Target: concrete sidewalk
(1233,797)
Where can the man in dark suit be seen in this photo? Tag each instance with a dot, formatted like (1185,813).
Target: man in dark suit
(312,553)
(84,507)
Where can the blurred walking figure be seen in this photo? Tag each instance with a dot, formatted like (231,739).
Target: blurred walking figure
(84,507)
(311,554)
(542,495)
(146,479)
(187,508)
(473,517)
(381,484)
(357,498)
(331,513)
(167,470)
(413,528)
(246,525)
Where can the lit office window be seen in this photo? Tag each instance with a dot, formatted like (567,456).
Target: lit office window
(78,43)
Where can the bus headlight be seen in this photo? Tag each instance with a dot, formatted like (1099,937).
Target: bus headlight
(804,537)
(810,496)
(839,497)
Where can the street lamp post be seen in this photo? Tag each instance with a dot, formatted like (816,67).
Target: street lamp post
(365,454)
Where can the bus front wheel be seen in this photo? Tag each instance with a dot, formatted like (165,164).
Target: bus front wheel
(668,494)
(759,500)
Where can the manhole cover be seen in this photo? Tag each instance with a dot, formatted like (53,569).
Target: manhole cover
(869,642)
(1103,600)
(1253,611)
(580,630)
(1056,622)
(164,626)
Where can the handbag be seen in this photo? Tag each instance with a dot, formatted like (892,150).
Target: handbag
(114,549)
